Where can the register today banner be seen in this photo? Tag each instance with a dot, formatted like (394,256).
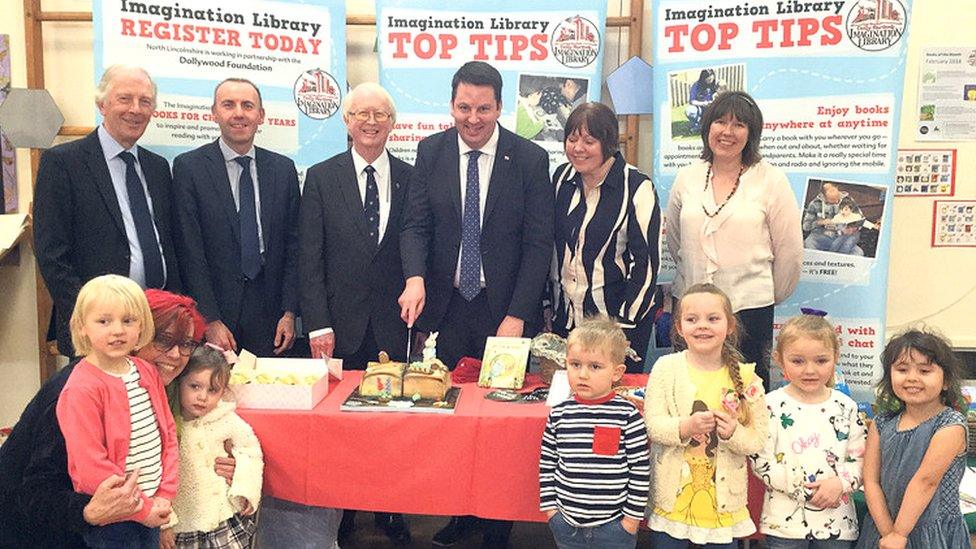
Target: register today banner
(549,52)
(828,77)
(294,51)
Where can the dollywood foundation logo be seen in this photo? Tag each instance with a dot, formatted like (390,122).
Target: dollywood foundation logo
(317,94)
(876,25)
(575,42)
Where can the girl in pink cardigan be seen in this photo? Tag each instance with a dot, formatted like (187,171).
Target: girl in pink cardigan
(113,410)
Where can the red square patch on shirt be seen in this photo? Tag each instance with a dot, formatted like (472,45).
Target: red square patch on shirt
(606,440)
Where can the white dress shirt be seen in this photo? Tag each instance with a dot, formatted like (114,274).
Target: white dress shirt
(234,174)
(485,163)
(382,175)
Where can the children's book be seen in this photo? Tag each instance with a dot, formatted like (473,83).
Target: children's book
(504,363)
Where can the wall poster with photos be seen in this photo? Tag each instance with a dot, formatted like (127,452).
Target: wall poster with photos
(926,172)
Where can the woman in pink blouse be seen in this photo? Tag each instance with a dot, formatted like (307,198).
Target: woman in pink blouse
(732,220)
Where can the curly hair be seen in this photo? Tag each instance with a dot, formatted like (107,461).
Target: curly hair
(937,349)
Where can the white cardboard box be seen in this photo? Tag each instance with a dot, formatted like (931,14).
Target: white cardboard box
(279,396)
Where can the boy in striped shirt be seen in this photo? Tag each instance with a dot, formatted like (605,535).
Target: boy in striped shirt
(594,471)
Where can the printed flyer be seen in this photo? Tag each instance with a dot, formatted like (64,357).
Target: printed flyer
(827,77)
(293,51)
(549,53)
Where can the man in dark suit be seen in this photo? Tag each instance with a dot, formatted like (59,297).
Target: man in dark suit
(237,214)
(102,204)
(350,251)
(477,236)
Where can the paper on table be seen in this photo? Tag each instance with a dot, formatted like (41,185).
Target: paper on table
(967,491)
(558,389)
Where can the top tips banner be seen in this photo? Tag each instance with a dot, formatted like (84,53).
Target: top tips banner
(549,53)
(828,77)
(294,51)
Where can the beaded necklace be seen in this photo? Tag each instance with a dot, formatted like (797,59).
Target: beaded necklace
(708,179)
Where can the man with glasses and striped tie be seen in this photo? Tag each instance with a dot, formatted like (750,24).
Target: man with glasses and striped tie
(237,212)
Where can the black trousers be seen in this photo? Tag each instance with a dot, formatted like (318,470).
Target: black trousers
(756,339)
(368,351)
(257,319)
(465,327)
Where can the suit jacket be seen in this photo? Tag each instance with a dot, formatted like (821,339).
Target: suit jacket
(208,238)
(348,280)
(78,228)
(516,227)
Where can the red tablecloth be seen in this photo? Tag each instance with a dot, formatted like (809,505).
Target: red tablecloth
(483,460)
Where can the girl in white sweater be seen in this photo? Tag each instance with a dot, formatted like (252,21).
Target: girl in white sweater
(705,413)
(811,462)
(211,513)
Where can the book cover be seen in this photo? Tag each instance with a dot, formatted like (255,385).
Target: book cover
(504,363)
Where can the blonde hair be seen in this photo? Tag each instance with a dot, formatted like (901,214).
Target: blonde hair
(731,357)
(117,290)
(603,333)
(811,327)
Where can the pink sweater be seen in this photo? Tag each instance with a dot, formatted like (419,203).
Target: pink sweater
(93,413)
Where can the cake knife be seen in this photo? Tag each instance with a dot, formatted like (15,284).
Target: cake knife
(409,340)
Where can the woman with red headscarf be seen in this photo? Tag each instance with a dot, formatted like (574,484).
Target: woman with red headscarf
(37,505)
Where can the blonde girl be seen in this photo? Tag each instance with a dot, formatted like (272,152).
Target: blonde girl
(916,449)
(113,410)
(812,460)
(705,413)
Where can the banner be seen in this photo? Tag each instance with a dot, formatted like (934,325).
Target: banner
(549,53)
(294,51)
(828,78)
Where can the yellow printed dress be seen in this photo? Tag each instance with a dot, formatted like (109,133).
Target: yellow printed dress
(695,515)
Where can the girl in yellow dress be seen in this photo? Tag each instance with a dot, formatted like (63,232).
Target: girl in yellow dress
(705,413)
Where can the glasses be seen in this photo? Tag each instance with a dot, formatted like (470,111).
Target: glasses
(363,116)
(164,343)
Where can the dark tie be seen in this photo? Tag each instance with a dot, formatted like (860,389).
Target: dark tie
(250,247)
(145,230)
(371,207)
(469,280)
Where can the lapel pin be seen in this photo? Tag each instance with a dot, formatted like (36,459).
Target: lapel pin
(506,157)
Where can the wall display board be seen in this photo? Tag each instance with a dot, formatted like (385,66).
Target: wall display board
(549,52)
(954,224)
(294,51)
(828,78)
(926,172)
(946,107)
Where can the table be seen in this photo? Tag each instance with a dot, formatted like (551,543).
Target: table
(483,460)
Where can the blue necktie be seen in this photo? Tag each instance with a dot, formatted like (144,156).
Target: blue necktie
(145,230)
(371,208)
(250,246)
(469,281)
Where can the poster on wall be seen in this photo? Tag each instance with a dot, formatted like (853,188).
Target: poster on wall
(954,224)
(293,51)
(8,169)
(549,53)
(946,107)
(828,80)
(926,172)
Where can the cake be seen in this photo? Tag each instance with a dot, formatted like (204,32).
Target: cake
(426,379)
(383,378)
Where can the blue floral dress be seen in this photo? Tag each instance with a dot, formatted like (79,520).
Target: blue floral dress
(941,524)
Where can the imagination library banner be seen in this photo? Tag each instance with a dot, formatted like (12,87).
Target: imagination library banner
(294,51)
(828,77)
(549,52)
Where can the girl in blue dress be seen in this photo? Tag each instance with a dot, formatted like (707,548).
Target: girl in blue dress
(916,448)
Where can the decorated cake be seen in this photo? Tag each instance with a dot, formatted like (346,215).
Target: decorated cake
(428,378)
(383,379)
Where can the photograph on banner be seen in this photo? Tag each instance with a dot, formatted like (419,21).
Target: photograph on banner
(293,51)
(926,172)
(947,94)
(954,223)
(549,53)
(694,89)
